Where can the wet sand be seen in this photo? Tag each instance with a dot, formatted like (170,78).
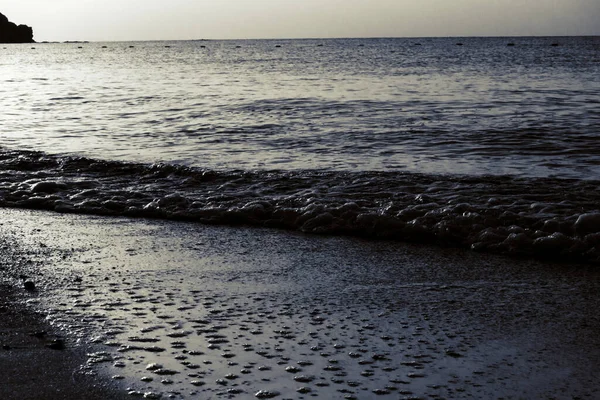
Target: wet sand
(176,310)
(38,361)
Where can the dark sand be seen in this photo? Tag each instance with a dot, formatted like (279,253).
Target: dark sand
(31,369)
(37,361)
(232,313)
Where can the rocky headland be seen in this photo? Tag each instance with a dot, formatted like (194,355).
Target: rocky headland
(13,33)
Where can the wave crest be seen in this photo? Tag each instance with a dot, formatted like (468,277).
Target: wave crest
(531,216)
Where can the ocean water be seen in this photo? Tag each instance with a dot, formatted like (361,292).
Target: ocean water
(485,143)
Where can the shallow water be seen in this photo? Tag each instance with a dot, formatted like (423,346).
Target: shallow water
(481,145)
(542,217)
(230,312)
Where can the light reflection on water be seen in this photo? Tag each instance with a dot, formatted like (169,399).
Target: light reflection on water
(483,108)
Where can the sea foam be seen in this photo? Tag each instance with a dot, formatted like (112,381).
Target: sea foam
(542,217)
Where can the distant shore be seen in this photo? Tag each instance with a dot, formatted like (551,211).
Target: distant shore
(13,33)
(508,38)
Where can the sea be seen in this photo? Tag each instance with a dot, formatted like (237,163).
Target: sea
(489,144)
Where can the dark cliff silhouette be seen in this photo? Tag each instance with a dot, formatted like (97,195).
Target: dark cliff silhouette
(13,33)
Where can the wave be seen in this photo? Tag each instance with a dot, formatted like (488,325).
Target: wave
(539,217)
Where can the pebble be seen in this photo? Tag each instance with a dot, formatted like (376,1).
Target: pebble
(164,371)
(304,378)
(381,391)
(266,394)
(588,223)
(454,354)
(152,395)
(154,349)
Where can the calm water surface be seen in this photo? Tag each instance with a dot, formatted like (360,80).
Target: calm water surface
(421,105)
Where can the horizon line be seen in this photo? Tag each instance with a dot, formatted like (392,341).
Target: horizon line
(315,38)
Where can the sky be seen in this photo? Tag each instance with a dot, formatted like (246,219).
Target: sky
(108,20)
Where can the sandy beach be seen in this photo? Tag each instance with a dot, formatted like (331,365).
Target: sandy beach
(37,361)
(155,309)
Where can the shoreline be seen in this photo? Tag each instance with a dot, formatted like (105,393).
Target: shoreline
(38,361)
(324,316)
(35,365)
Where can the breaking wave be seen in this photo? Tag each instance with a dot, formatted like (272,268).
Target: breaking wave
(540,217)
